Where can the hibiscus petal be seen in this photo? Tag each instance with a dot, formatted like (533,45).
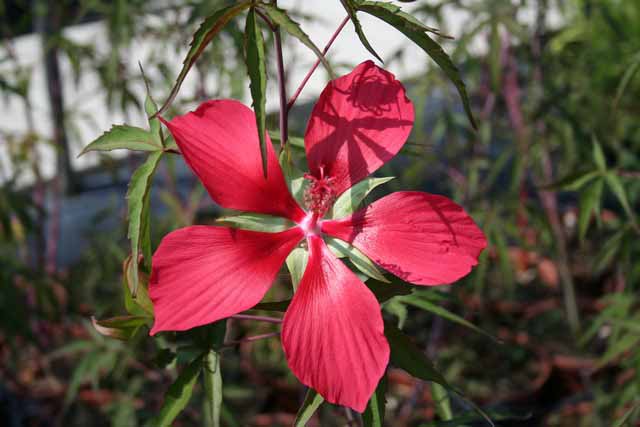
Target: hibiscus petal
(359,123)
(333,334)
(422,238)
(203,273)
(219,141)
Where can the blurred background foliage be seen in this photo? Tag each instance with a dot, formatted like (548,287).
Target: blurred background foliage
(551,175)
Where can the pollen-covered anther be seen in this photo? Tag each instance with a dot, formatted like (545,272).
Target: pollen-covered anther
(319,194)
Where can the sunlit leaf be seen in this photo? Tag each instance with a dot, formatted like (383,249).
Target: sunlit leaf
(210,28)
(123,137)
(256,222)
(394,16)
(296,263)
(312,402)
(350,200)
(343,249)
(138,197)
(179,394)
(283,20)
(255,59)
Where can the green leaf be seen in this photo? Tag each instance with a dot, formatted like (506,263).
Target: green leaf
(141,305)
(120,327)
(573,182)
(589,203)
(392,287)
(343,249)
(598,156)
(296,263)
(627,416)
(424,304)
(615,185)
(442,402)
(393,15)
(350,200)
(138,196)
(123,137)
(256,222)
(254,48)
(179,394)
(373,415)
(210,28)
(311,403)
(406,355)
(351,8)
(283,20)
(213,387)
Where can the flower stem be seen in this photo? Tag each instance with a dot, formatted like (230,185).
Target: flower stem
(250,339)
(315,65)
(256,318)
(213,388)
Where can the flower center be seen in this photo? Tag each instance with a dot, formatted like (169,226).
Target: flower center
(319,194)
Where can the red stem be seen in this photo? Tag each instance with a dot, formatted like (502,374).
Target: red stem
(256,318)
(315,65)
(250,339)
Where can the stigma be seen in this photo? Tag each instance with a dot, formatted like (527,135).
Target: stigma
(320,193)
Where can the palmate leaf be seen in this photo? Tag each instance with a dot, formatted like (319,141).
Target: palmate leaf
(256,222)
(416,32)
(351,7)
(179,394)
(297,263)
(343,249)
(350,200)
(255,59)
(210,28)
(312,402)
(124,137)
(138,197)
(283,20)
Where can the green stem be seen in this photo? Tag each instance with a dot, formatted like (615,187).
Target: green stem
(442,402)
(213,389)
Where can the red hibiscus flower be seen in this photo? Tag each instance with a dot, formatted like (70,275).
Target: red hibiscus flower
(332,333)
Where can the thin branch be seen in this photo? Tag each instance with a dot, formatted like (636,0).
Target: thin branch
(251,339)
(315,65)
(256,318)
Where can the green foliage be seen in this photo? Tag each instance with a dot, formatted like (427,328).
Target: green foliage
(312,402)
(179,393)
(124,137)
(416,32)
(351,199)
(256,67)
